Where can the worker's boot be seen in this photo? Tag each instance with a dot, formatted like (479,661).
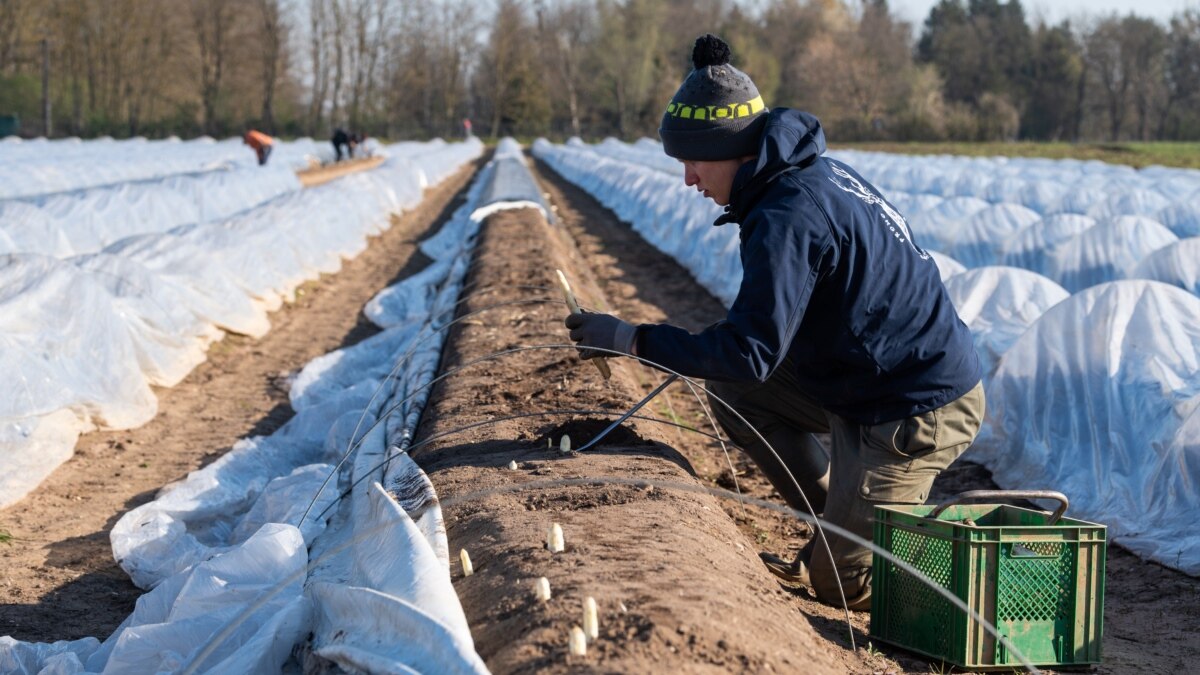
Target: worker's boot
(855,582)
(792,573)
(857,588)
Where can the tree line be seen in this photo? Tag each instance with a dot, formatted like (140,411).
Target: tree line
(972,70)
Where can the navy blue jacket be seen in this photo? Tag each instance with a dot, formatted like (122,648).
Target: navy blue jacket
(831,278)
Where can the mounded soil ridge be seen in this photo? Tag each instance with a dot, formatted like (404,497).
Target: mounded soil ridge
(678,586)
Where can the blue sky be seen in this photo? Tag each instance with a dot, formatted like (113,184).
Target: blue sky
(1054,11)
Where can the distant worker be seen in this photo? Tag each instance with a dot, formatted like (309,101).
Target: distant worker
(361,148)
(260,143)
(841,325)
(467,127)
(341,139)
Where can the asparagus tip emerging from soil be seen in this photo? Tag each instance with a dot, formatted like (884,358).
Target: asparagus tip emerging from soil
(541,589)
(591,621)
(554,540)
(578,642)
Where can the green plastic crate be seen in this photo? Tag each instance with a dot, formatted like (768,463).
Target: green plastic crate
(1040,584)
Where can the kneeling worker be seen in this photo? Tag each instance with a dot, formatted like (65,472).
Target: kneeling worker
(841,325)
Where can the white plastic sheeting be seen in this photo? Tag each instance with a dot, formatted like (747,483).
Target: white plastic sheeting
(29,168)
(936,228)
(1108,251)
(980,240)
(227,550)
(86,221)
(70,363)
(58,325)
(998,304)
(1100,399)
(947,266)
(1032,247)
(171,624)
(1183,218)
(1136,202)
(1084,395)
(1177,264)
(89,334)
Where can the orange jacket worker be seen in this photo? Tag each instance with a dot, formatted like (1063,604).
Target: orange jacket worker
(261,143)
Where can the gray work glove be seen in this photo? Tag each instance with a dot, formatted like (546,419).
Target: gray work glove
(603,331)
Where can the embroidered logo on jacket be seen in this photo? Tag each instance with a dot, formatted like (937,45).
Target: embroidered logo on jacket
(891,217)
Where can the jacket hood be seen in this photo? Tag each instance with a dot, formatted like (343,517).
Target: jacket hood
(791,140)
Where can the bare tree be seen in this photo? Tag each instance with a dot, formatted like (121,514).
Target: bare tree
(1182,71)
(212,21)
(1104,59)
(318,61)
(500,60)
(563,30)
(461,38)
(151,59)
(635,44)
(14,19)
(372,25)
(338,46)
(273,37)
(1145,42)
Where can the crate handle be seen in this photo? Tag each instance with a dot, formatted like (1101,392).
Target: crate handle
(1006,494)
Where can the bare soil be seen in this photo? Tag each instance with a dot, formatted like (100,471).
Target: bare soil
(675,572)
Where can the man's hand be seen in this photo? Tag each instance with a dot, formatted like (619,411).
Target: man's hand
(600,331)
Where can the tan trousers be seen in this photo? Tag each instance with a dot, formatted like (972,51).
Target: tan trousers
(888,463)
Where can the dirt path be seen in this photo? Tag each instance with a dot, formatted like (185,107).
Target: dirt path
(57,577)
(1151,613)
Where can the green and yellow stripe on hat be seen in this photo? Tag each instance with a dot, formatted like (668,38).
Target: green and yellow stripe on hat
(717,112)
(728,111)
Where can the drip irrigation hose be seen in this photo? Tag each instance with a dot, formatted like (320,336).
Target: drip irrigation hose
(489,422)
(716,492)
(416,340)
(516,350)
(724,448)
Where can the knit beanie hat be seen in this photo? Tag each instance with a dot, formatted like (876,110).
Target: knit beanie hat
(717,112)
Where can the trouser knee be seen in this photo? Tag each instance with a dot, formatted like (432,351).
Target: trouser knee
(792,460)
(719,397)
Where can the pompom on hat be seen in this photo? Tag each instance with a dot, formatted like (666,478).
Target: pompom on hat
(717,113)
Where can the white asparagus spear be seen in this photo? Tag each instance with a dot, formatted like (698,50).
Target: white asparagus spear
(554,539)
(578,642)
(541,589)
(591,620)
(601,364)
